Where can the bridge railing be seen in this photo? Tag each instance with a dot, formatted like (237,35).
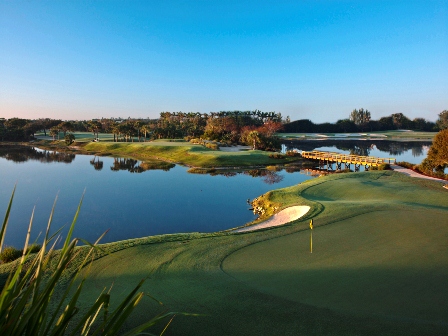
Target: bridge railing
(347,158)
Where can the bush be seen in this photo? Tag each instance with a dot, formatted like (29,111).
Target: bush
(276,156)
(406,164)
(10,254)
(213,146)
(292,153)
(69,138)
(383,166)
(196,141)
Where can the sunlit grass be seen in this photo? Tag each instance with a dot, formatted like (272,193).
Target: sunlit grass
(185,153)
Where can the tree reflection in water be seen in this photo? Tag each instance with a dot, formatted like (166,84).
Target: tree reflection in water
(134,166)
(97,164)
(130,165)
(24,153)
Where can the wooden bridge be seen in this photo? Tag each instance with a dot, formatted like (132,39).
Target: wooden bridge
(327,159)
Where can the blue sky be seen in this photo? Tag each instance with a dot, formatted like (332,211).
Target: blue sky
(313,60)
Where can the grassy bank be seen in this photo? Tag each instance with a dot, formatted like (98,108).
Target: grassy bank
(184,153)
(379,265)
(173,151)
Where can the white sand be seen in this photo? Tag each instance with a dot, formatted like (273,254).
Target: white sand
(285,216)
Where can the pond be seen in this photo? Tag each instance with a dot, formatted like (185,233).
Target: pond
(132,199)
(410,151)
(126,196)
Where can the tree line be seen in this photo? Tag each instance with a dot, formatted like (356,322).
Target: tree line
(360,121)
(254,128)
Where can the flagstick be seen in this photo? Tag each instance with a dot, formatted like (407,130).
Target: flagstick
(311,241)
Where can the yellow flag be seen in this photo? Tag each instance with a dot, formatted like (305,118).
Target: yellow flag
(311,224)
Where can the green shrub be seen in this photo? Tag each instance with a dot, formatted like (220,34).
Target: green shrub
(276,156)
(213,146)
(10,254)
(69,138)
(383,166)
(406,164)
(292,153)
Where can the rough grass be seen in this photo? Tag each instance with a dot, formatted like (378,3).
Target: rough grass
(379,265)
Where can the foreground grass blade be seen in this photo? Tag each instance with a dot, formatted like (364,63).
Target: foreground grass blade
(5,221)
(29,306)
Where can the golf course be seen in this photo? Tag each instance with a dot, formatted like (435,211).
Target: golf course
(379,265)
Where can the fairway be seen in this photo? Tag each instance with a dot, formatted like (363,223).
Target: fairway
(379,265)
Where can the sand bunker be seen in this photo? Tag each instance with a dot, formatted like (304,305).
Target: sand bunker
(285,216)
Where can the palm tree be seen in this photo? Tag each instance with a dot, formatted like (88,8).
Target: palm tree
(254,137)
(146,128)
(94,126)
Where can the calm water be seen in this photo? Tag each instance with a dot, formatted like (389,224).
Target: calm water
(129,204)
(413,152)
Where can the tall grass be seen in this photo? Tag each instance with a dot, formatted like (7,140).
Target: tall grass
(29,306)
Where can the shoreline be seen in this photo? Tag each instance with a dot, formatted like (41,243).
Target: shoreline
(283,217)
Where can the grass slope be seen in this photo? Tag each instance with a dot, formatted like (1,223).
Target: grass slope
(185,153)
(379,265)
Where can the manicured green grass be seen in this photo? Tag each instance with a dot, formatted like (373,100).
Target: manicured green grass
(185,153)
(391,264)
(379,265)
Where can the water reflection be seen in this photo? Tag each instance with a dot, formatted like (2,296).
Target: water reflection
(267,176)
(22,154)
(362,147)
(96,163)
(135,166)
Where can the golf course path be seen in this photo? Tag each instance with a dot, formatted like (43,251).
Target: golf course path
(412,173)
(285,216)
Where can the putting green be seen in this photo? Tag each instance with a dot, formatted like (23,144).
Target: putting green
(388,263)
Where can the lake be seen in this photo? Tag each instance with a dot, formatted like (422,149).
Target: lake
(131,200)
(410,151)
(124,198)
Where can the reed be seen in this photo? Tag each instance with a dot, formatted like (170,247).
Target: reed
(29,306)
